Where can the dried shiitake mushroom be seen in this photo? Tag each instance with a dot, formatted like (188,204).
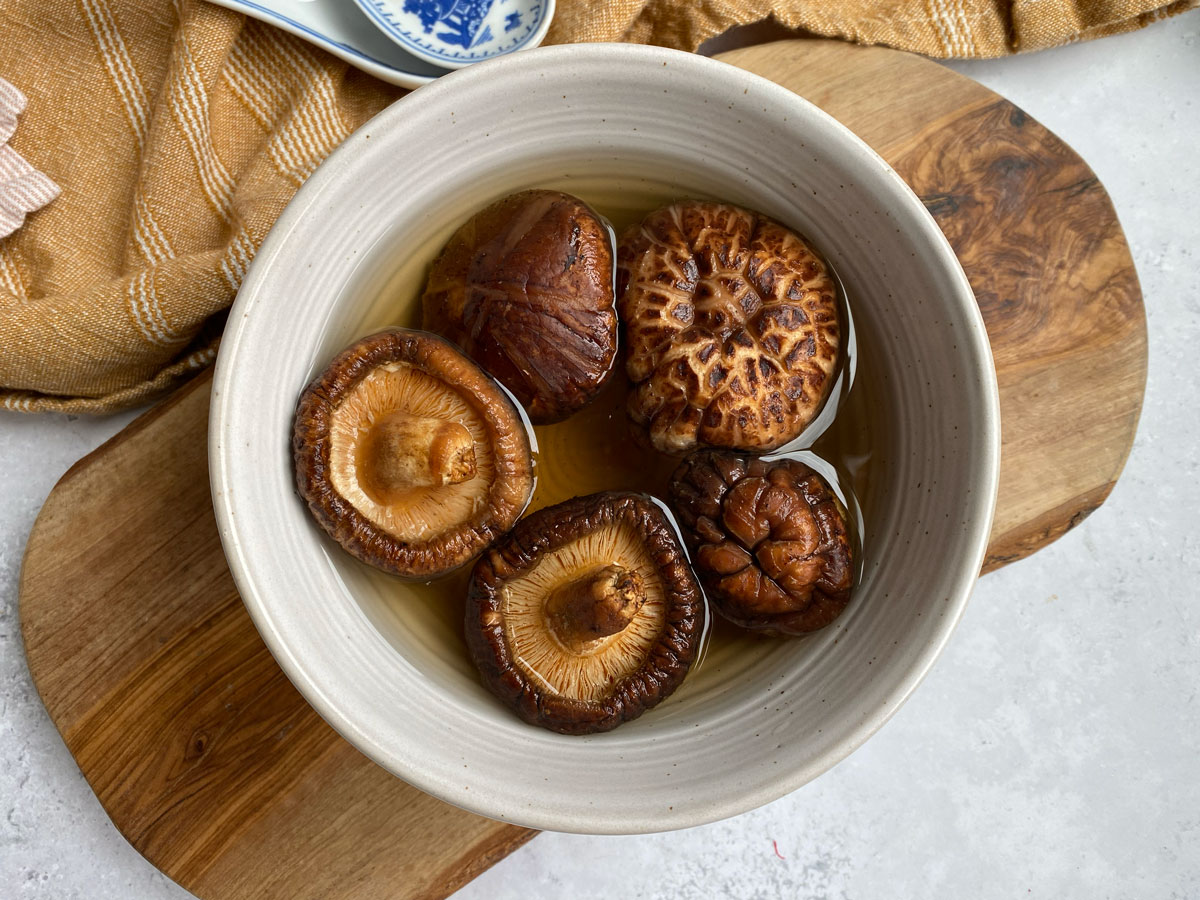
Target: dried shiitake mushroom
(769,539)
(732,328)
(587,614)
(409,455)
(525,287)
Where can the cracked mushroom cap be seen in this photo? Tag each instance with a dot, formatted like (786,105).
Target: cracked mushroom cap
(525,287)
(769,539)
(409,455)
(732,328)
(587,614)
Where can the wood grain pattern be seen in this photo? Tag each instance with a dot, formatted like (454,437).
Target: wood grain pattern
(214,767)
(206,758)
(1041,245)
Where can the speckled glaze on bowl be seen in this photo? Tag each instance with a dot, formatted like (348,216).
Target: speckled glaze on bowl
(777,721)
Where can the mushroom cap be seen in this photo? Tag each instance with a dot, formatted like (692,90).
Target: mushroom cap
(732,328)
(594,685)
(769,540)
(414,529)
(525,287)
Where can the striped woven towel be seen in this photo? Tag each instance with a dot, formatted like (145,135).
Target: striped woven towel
(179,130)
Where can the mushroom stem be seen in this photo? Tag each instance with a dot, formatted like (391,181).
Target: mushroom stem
(404,451)
(595,605)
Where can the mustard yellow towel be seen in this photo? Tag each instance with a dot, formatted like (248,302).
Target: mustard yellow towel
(178,131)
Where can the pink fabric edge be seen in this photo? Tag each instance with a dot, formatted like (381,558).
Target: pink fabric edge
(23,189)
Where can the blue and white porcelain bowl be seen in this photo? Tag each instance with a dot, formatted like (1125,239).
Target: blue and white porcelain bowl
(456,33)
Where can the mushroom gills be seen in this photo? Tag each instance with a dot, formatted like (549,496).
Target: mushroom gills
(408,454)
(549,614)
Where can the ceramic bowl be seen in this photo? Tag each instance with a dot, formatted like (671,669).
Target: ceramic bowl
(457,33)
(403,691)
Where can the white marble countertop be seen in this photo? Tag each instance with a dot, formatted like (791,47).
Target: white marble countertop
(1054,750)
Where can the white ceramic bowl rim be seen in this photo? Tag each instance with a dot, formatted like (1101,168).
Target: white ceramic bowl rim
(406,747)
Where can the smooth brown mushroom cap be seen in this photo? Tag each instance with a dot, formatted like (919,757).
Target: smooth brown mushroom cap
(614,562)
(770,540)
(409,455)
(525,287)
(732,328)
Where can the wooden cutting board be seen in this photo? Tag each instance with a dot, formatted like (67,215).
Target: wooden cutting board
(216,770)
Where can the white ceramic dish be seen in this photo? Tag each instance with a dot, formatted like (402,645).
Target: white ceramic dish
(457,33)
(345,31)
(411,701)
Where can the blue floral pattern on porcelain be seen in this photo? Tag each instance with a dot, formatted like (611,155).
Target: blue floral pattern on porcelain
(455,33)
